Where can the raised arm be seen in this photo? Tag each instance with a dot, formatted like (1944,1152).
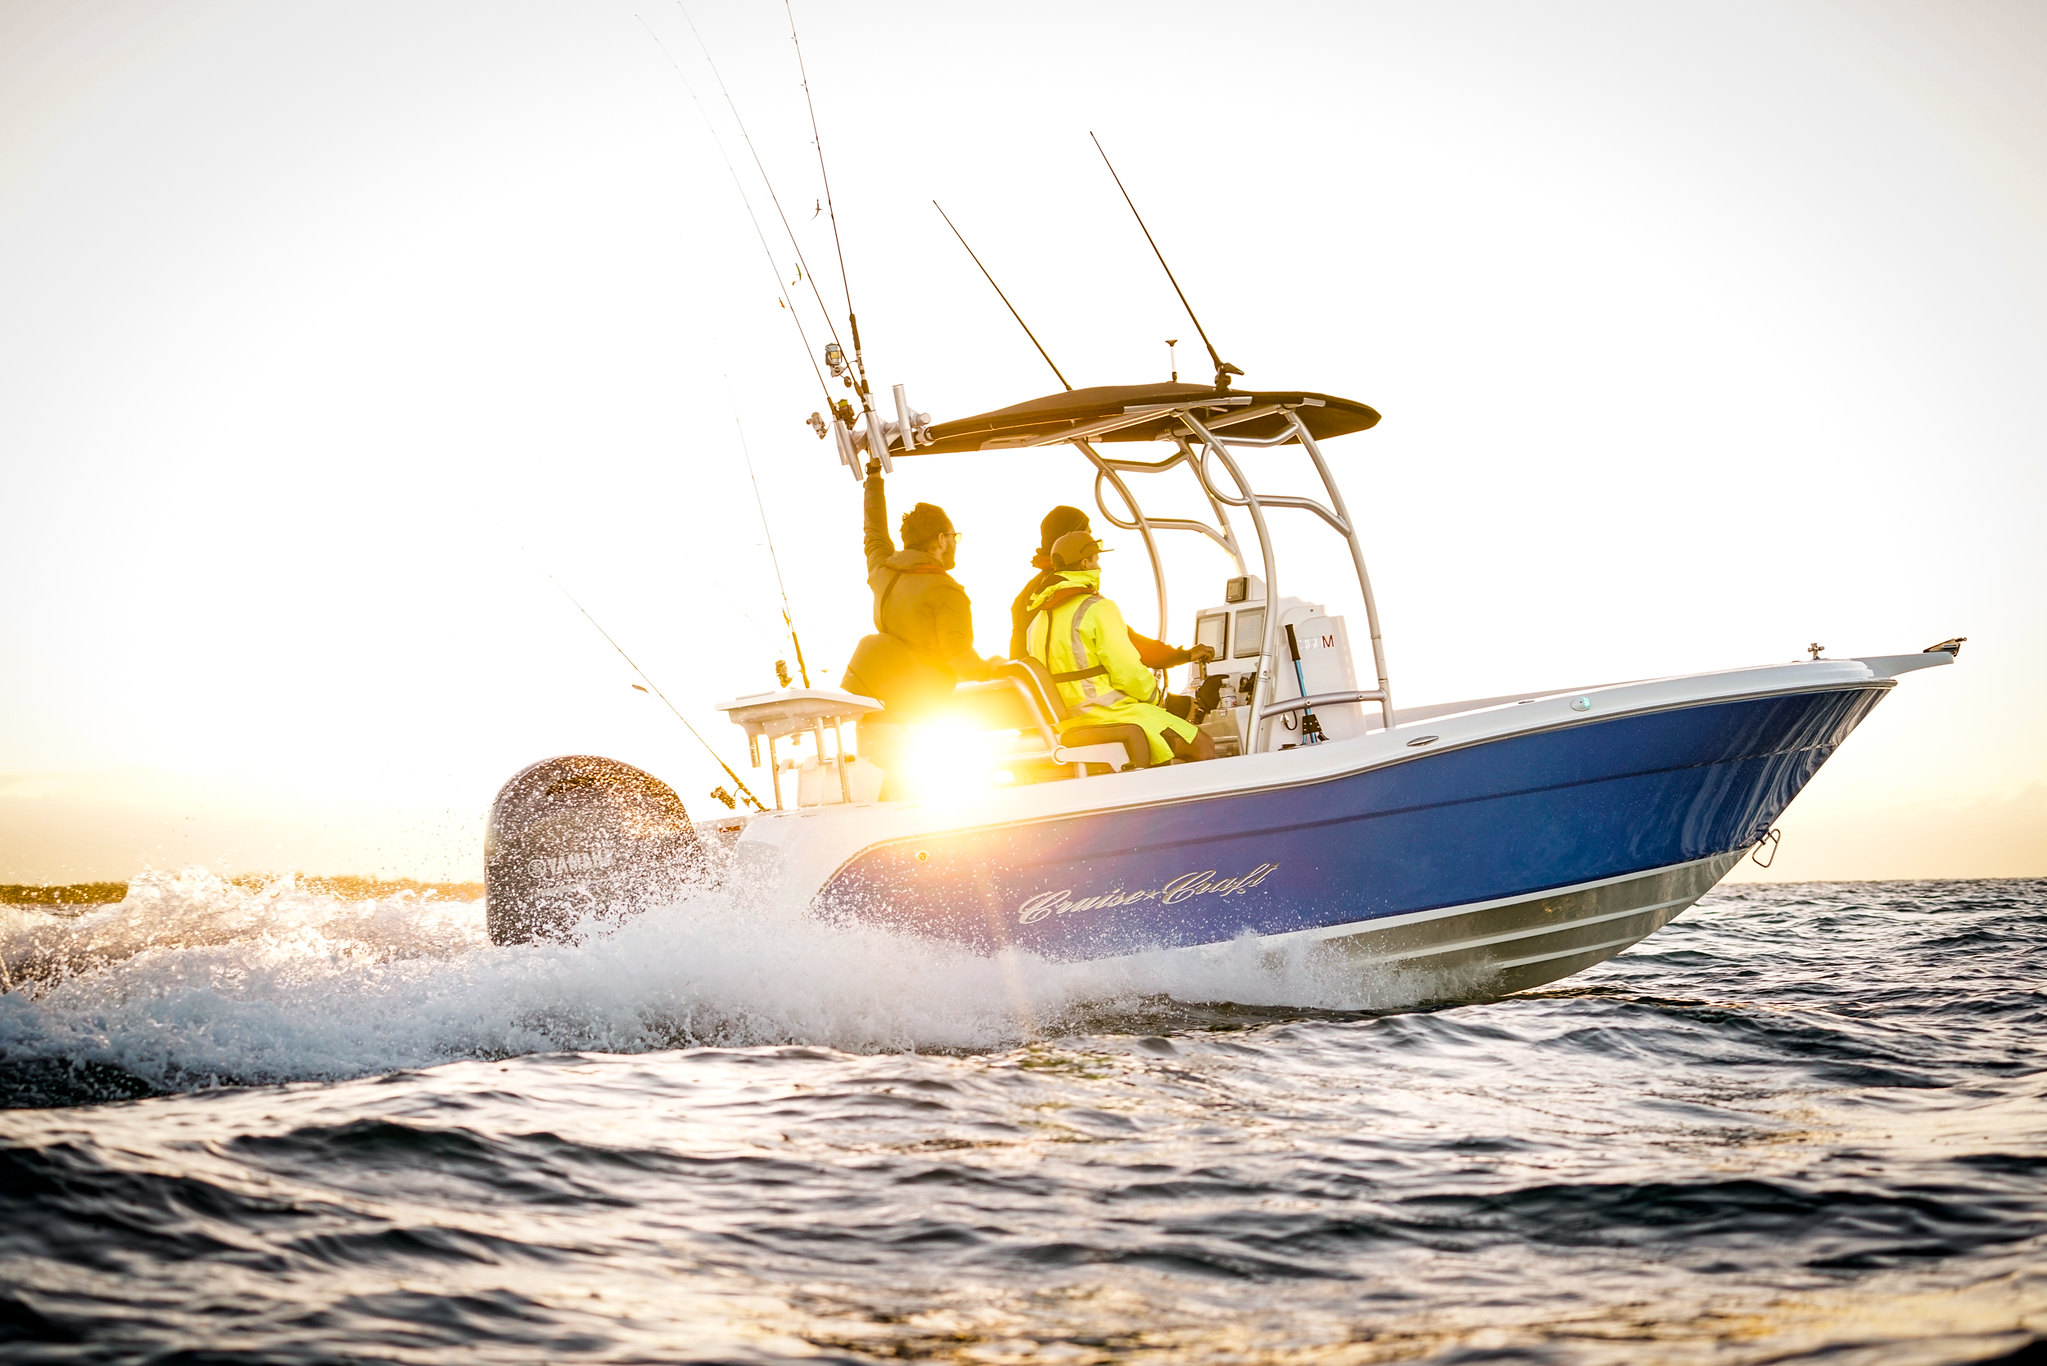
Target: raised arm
(875,539)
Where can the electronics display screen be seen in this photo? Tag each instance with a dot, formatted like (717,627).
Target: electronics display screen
(1213,631)
(1250,632)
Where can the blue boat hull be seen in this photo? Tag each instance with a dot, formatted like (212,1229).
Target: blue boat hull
(1598,802)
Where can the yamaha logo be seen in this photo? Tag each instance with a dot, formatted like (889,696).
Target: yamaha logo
(561,865)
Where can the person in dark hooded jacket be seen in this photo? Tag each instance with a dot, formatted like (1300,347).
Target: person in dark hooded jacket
(924,622)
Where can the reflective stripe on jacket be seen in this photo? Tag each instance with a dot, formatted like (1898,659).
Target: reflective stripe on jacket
(1079,635)
(1156,654)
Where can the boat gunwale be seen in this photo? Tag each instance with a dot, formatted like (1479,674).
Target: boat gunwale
(1375,763)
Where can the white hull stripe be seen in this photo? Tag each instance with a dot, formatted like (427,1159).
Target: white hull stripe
(1532,932)
(1613,945)
(1389,922)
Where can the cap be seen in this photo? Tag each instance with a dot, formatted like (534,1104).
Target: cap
(1069,550)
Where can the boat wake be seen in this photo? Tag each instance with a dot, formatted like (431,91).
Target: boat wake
(194,982)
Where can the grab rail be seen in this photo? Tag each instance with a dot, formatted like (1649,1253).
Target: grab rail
(1320,699)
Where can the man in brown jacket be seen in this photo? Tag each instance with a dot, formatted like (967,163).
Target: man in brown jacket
(924,621)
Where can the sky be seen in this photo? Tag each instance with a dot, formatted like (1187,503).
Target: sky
(332,333)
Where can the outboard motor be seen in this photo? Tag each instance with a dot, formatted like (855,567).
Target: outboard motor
(582,837)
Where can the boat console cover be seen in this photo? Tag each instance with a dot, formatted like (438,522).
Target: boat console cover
(1067,416)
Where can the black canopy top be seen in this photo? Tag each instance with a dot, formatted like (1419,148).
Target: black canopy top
(1047,419)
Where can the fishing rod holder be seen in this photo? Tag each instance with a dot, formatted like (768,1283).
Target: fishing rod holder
(848,449)
(900,436)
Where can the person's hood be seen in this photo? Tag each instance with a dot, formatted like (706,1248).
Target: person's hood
(1067,581)
(915,562)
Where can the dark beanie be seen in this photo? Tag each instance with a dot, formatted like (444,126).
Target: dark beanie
(1057,523)
(923,524)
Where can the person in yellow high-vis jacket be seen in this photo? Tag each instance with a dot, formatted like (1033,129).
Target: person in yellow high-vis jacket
(1080,637)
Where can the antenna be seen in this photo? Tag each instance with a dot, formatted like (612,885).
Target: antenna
(1004,297)
(1223,369)
(1171,363)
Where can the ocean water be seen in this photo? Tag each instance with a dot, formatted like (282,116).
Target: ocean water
(1803,1123)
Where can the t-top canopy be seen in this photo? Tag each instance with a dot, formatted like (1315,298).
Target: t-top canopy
(1146,412)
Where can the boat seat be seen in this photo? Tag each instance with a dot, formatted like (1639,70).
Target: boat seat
(1022,697)
(1136,744)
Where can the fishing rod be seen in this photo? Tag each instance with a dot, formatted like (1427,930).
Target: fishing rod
(788,620)
(1004,297)
(655,688)
(817,141)
(877,440)
(856,376)
(1143,527)
(773,198)
(732,171)
(1223,369)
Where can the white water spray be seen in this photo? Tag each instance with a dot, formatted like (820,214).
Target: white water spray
(194,981)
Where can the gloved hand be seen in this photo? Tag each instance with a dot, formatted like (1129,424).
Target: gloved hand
(1200,654)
